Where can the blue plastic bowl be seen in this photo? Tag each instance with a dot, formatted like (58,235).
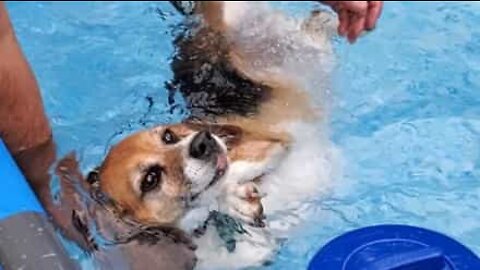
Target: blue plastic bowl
(394,247)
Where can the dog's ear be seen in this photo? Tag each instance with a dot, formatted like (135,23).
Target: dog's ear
(71,213)
(231,134)
(84,206)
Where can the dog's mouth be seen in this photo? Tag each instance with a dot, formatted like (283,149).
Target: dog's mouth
(220,169)
(221,166)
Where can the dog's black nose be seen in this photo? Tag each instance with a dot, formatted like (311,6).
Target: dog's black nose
(203,145)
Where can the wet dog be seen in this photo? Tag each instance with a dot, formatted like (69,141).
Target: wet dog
(225,175)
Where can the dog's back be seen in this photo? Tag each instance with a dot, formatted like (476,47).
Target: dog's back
(245,60)
(209,82)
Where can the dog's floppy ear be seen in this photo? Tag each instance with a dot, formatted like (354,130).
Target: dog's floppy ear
(231,134)
(80,206)
(71,212)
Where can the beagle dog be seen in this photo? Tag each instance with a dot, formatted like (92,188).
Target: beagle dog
(225,175)
(156,175)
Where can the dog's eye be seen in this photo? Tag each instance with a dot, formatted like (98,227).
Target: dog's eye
(152,179)
(169,137)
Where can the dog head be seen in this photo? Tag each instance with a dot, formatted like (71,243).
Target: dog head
(153,175)
(156,175)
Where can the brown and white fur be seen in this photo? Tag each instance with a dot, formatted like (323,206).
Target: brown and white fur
(269,163)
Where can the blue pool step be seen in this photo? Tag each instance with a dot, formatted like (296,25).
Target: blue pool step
(27,239)
(394,247)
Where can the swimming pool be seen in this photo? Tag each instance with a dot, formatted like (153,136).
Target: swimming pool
(406,114)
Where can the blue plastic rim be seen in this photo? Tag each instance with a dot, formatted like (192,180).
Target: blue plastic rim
(394,247)
(15,193)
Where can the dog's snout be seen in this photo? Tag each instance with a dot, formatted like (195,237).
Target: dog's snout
(203,145)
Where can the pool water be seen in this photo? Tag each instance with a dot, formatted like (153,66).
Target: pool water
(406,112)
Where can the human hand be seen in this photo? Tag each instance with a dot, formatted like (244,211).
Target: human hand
(355,17)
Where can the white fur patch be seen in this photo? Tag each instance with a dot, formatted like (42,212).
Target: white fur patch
(295,50)
(259,245)
(242,171)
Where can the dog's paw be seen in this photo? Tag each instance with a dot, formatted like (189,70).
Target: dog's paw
(244,203)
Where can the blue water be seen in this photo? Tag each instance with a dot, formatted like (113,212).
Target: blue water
(406,114)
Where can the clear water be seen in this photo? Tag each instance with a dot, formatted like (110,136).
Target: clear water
(406,114)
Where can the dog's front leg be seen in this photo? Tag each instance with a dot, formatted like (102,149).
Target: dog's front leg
(243,201)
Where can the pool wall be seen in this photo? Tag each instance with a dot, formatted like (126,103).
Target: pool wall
(27,239)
